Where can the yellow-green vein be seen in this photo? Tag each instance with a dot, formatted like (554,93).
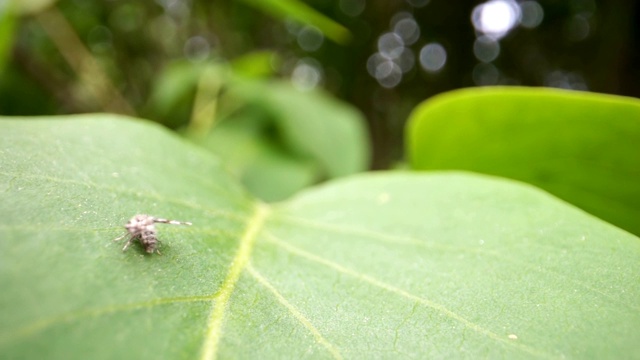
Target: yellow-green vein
(400,292)
(296,313)
(379,236)
(221,298)
(405,240)
(42,324)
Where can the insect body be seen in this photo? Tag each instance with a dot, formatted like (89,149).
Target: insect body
(143,228)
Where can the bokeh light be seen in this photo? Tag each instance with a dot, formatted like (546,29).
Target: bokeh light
(388,73)
(486,49)
(307,74)
(352,8)
(433,57)
(485,74)
(406,60)
(310,38)
(532,14)
(496,18)
(164,31)
(390,45)
(408,30)
(394,57)
(578,28)
(565,80)
(197,49)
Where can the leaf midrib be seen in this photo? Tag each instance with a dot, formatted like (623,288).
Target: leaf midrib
(221,298)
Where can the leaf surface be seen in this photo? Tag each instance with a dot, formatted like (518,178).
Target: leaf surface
(581,147)
(382,265)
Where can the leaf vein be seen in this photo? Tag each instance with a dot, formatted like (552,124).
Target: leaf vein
(295,312)
(42,324)
(221,298)
(400,292)
(404,240)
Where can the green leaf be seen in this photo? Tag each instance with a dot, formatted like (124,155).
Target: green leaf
(264,166)
(284,140)
(256,64)
(581,147)
(394,265)
(8,21)
(303,13)
(171,99)
(26,7)
(313,124)
(275,138)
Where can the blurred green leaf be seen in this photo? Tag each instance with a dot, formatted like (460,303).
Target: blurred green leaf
(284,140)
(255,64)
(390,265)
(26,7)
(8,20)
(171,99)
(313,124)
(275,138)
(582,147)
(303,13)
(268,170)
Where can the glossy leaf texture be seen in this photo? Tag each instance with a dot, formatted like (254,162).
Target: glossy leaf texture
(581,147)
(396,265)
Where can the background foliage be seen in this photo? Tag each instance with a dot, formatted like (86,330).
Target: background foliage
(581,44)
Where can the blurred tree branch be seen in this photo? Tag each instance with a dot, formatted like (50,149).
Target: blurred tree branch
(82,62)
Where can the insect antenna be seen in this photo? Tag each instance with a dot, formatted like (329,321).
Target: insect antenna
(172,222)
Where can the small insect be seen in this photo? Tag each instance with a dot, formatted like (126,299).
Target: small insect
(142,228)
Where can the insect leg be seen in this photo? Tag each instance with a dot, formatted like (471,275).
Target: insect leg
(128,243)
(120,237)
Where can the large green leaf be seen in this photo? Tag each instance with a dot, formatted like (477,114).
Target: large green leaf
(394,265)
(582,147)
